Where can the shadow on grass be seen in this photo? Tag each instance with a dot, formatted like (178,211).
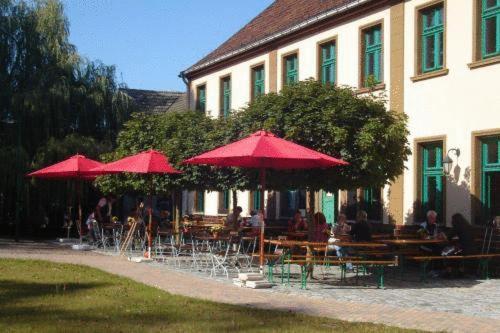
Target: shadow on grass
(12,292)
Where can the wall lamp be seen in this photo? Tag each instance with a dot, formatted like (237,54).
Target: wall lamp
(448,161)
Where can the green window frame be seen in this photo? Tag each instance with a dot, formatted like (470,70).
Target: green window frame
(432,186)
(372,203)
(328,62)
(490,28)
(225,87)
(201,98)
(256,200)
(490,167)
(200,201)
(372,55)
(258,81)
(291,69)
(432,38)
(226,197)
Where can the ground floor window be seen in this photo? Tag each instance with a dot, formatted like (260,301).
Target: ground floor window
(329,206)
(255,200)
(199,201)
(290,201)
(372,203)
(224,201)
(432,178)
(490,177)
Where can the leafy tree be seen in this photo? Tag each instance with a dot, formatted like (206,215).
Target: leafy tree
(335,121)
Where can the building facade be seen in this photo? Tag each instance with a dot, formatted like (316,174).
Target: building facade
(438,61)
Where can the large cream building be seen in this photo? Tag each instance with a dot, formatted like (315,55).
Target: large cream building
(438,61)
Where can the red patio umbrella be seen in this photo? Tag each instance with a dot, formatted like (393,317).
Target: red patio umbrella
(263,150)
(147,162)
(76,167)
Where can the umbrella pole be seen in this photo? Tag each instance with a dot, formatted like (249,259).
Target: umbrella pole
(262,176)
(79,194)
(150,218)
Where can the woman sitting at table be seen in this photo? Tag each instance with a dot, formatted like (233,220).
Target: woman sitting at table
(298,223)
(321,233)
(361,230)
(341,228)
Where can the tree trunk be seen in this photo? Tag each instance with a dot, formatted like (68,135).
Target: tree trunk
(235,199)
(310,209)
(177,214)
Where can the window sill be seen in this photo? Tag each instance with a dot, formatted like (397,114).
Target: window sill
(379,86)
(430,75)
(484,62)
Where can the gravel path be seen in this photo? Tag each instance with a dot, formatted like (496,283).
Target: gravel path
(186,284)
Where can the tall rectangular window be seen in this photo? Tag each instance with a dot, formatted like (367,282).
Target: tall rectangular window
(199,201)
(432,185)
(224,201)
(372,55)
(490,28)
(431,38)
(256,200)
(372,203)
(328,62)
(258,81)
(225,98)
(201,98)
(490,177)
(291,73)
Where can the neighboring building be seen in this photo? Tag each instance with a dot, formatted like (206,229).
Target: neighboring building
(436,60)
(151,101)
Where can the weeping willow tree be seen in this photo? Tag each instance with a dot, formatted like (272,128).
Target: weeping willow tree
(53,103)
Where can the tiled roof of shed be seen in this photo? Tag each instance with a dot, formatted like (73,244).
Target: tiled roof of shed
(152,101)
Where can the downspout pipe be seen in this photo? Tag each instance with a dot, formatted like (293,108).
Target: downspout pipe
(187,82)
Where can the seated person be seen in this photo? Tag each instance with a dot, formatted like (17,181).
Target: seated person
(321,233)
(233,219)
(341,228)
(429,228)
(464,232)
(297,223)
(361,230)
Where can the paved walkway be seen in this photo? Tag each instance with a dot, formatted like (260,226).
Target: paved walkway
(182,283)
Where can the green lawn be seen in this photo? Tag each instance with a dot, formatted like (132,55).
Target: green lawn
(39,296)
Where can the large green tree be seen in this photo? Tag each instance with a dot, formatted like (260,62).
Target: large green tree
(49,95)
(335,121)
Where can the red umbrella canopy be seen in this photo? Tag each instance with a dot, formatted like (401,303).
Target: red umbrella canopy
(147,162)
(266,151)
(77,166)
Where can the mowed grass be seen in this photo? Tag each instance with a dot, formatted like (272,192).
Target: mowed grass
(39,296)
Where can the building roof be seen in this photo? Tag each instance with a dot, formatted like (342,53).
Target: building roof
(280,18)
(152,101)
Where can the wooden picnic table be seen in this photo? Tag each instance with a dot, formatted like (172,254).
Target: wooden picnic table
(212,238)
(413,241)
(292,243)
(296,234)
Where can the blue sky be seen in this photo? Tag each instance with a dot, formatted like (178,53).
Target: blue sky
(151,41)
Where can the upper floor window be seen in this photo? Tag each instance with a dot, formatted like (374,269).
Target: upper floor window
(201,98)
(225,98)
(291,66)
(431,38)
(490,28)
(258,81)
(372,55)
(328,62)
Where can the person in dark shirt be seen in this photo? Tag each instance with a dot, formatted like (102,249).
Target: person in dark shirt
(463,230)
(361,230)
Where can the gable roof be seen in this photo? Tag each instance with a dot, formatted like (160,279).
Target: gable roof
(282,17)
(152,101)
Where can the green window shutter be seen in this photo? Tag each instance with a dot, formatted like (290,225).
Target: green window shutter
(328,63)
(432,35)
(225,97)
(490,28)
(202,99)
(432,178)
(258,81)
(226,198)
(372,55)
(490,177)
(256,200)
(200,201)
(291,69)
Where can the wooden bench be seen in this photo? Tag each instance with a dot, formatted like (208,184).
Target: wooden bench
(483,259)
(342,262)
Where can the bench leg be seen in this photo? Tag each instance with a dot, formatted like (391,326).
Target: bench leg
(380,277)
(342,272)
(303,276)
(484,269)
(423,271)
(270,277)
